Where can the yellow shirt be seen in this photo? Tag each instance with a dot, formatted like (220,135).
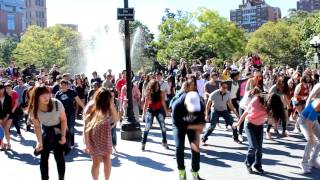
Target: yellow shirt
(225,75)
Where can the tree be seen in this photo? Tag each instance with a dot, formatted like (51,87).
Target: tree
(225,38)
(309,26)
(200,34)
(277,41)
(45,47)
(7,46)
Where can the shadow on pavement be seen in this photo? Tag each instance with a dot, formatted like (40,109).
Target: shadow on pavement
(160,153)
(23,157)
(25,142)
(315,174)
(116,161)
(217,158)
(277,176)
(144,161)
(77,155)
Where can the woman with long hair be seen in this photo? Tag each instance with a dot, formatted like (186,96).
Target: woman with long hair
(281,117)
(154,106)
(16,110)
(288,91)
(50,124)
(183,67)
(144,90)
(99,114)
(5,113)
(255,116)
(255,81)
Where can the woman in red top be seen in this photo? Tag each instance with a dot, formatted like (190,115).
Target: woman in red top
(301,94)
(15,107)
(154,106)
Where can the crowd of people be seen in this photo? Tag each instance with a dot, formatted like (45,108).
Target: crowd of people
(250,97)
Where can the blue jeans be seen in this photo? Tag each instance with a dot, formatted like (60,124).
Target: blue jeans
(160,115)
(71,121)
(215,115)
(114,135)
(255,139)
(179,137)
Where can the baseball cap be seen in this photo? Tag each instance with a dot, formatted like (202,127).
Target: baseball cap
(192,102)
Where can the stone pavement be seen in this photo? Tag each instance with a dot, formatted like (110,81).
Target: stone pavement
(221,159)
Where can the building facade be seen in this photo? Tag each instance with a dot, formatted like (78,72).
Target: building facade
(36,13)
(12,17)
(308,5)
(252,14)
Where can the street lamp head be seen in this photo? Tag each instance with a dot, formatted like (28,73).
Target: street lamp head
(315,41)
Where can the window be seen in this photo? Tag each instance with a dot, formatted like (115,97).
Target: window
(11,22)
(24,23)
(39,3)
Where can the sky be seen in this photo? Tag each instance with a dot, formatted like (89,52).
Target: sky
(91,13)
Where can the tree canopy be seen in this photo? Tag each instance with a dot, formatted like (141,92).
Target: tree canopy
(286,41)
(7,46)
(201,34)
(45,47)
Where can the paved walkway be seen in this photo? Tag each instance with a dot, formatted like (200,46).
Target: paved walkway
(221,159)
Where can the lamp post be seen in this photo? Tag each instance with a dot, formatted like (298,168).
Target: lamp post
(130,129)
(315,43)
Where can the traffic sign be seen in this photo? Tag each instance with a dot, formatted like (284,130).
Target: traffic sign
(126,14)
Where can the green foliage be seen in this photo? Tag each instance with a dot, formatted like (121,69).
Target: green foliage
(224,37)
(286,41)
(7,46)
(45,47)
(308,26)
(278,41)
(202,34)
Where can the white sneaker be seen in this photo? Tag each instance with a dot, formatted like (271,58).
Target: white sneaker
(296,131)
(305,168)
(314,164)
(240,138)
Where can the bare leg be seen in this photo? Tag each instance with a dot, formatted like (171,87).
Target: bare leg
(107,166)
(299,110)
(95,167)
(6,127)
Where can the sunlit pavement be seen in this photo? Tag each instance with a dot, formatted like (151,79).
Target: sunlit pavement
(221,159)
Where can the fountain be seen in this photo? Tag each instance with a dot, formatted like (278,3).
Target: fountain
(104,46)
(137,51)
(105,50)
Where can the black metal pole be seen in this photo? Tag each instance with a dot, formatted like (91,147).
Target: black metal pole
(130,113)
(130,129)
